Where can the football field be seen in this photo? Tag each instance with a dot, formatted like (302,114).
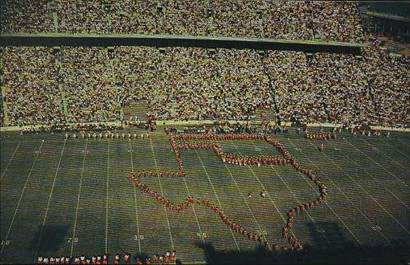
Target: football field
(72,197)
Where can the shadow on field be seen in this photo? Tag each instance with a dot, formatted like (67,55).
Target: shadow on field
(340,251)
(322,233)
(52,238)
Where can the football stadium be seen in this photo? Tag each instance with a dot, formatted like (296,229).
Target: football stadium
(204,132)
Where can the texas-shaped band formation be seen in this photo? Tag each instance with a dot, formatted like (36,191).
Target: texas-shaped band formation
(180,142)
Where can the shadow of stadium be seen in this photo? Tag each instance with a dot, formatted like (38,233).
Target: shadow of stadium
(340,250)
(53,237)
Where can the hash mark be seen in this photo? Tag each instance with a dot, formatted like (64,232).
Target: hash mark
(201,235)
(72,240)
(376,228)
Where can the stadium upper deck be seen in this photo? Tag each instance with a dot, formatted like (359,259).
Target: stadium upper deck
(302,20)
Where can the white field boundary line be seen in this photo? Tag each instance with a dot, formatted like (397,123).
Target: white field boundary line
(9,162)
(377,163)
(347,197)
(49,200)
(384,154)
(78,199)
(292,193)
(21,196)
(369,194)
(216,196)
(162,192)
(106,196)
(193,209)
(331,208)
(135,200)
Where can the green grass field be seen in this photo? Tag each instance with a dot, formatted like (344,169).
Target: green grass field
(73,197)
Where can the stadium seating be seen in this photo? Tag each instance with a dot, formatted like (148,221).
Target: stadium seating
(90,84)
(234,18)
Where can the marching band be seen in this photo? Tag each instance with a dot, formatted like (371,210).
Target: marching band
(168,258)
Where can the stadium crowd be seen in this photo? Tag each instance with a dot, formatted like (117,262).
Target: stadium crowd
(75,85)
(346,89)
(325,20)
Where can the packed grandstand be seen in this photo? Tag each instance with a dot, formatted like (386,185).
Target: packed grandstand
(94,82)
(235,18)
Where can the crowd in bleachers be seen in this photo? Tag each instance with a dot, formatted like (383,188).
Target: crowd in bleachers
(26,16)
(30,86)
(234,18)
(91,84)
(368,90)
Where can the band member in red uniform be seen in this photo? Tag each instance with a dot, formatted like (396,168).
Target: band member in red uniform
(127,258)
(117,259)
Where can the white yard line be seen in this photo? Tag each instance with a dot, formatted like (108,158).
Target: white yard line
(290,190)
(246,202)
(193,209)
(216,196)
(21,197)
(270,198)
(49,199)
(106,200)
(9,162)
(135,201)
(163,194)
(368,193)
(381,184)
(384,154)
(78,199)
(404,144)
(345,195)
(377,163)
(328,205)
(377,181)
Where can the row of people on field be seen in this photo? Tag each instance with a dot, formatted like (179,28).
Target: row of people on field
(106,135)
(230,158)
(168,258)
(320,135)
(218,137)
(60,128)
